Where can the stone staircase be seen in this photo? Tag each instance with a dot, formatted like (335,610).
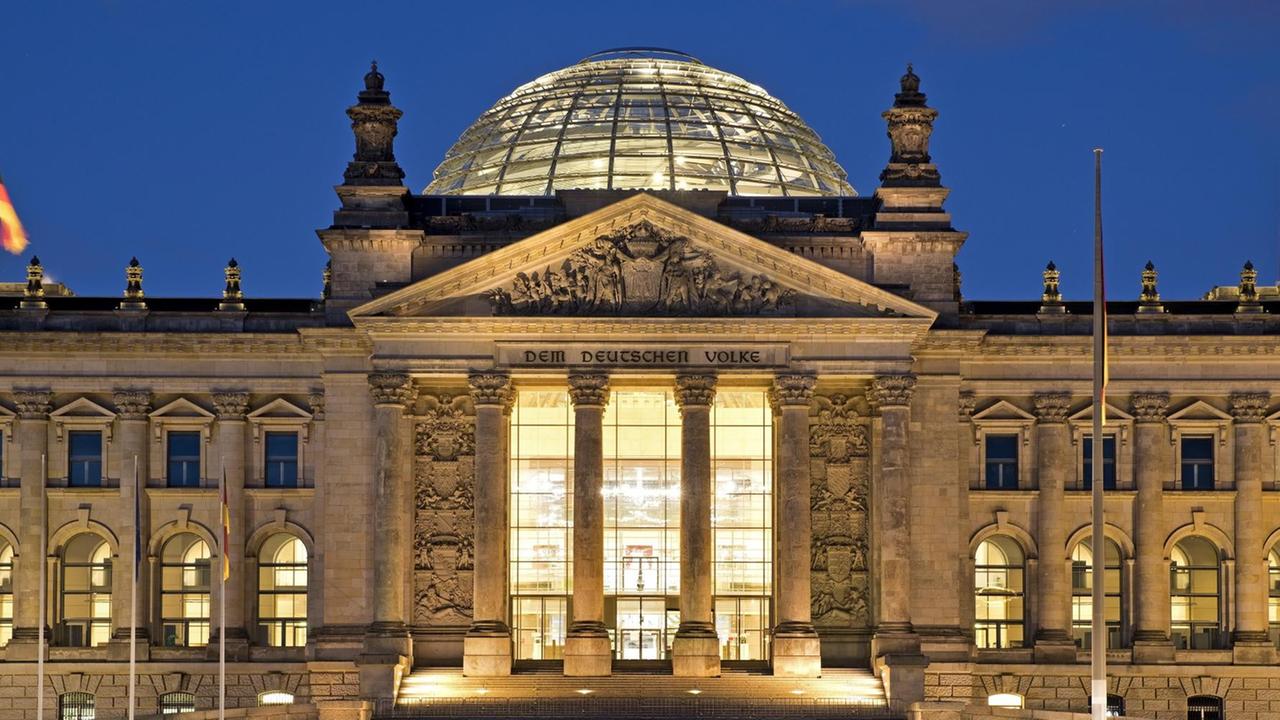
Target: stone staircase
(741,693)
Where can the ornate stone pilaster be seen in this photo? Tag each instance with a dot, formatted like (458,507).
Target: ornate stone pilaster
(132,406)
(487,646)
(586,650)
(1250,640)
(444,525)
(393,395)
(795,641)
(890,396)
(696,650)
(33,407)
(1153,458)
(839,450)
(231,408)
(1054,460)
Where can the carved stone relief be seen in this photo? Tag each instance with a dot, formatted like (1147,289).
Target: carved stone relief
(840,472)
(444,518)
(640,269)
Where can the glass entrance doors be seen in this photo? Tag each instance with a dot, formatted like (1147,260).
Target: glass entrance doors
(644,628)
(743,626)
(539,627)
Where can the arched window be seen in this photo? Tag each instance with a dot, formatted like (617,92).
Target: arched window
(75,706)
(1082,594)
(177,702)
(184,592)
(275,697)
(1195,594)
(282,591)
(85,610)
(6,593)
(1273,593)
(998,586)
(1204,707)
(1012,701)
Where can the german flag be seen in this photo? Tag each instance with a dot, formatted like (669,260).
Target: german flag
(226,529)
(12,237)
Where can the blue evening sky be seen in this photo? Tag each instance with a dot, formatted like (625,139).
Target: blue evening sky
(189,132)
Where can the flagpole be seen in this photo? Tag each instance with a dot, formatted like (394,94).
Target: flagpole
(41,561)
(1098,654)
(223,519)
(133,593)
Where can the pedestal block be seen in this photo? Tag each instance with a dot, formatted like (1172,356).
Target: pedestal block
(587,655)
(695,656)
(798,655)
(486,654)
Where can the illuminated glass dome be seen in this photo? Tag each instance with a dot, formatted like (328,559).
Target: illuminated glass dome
(639,118)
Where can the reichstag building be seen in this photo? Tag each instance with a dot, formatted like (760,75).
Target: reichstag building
(640,390)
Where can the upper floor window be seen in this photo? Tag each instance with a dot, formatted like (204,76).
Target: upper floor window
(1195,594)
(1002,462)
(1197,463)
(6,592)
(1108,463)
(282,459)
(998,586)
(84,459)
(184,459)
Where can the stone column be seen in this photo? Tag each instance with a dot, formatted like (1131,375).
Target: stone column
(1250,640)
(1151,448)
(33,437)
(132,407)
(586,649)
(1054,461)
(796,650)
(696,650)
(487,645)
(231,408)
(388,636)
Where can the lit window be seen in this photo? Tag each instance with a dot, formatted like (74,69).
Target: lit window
(275,697)
(177,702)
(84,459)
(1204,707)
(282,591)
(6,592)
(85,611)
(1005,700)
(184,459)
(1082,594)
(1195,594)
(1273,594)
(1108,463)
(282,459)
(1002,462)
(184,592)
(75,706)
(999,567)
(1197,463)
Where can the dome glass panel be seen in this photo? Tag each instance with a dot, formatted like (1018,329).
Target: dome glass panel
(639,118)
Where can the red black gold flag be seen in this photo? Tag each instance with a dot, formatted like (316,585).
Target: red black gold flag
(12,236)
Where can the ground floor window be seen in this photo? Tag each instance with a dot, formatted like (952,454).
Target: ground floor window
(1195,594)
(999,570)
(1082,594)
(177,702)
(1273,594)
(1204,707)
(75,706)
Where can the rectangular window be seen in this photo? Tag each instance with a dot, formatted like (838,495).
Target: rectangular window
(1002,462)
(1108,463)
(282,459)
(184,459)
(1197,463)
(85,459)
(1,458)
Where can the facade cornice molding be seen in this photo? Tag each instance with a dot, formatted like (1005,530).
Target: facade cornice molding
(1178,346)
(949,342)
(775,328)
(370,239)
(195,344)
(915,240)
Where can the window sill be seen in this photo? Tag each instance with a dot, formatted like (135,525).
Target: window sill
(272,492)
(1203,657)
(181,492)
(1027,494)
(1224,494)
(1118,492)
(277,654)
(78,653)
(63,491)
(1006,655)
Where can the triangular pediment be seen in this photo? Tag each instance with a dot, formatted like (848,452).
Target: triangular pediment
(642,257)
(6,414)
(1004,410)
(82,408)
(1114,414)
(1200,410)
(279,408)
(182,408)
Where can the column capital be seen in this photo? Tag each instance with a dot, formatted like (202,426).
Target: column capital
(132,404)
(891,390)
(1052,407)
(589,389)
(695,390)
(490,389)
(391,389)
(1249,407)
(1149,407)
(33,404)
(231,405)
(792,390)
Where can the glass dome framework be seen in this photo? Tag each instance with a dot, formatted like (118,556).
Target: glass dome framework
(639,118)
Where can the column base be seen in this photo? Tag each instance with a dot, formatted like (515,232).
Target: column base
(696,651)
(587,652)
(903,676)
(1054,646)
(1252,648)
(486,650)
(797,651)
(380,674)
(118,645)
(237,645)
(1156,648)
(387,639)
(25,645)
(897,638)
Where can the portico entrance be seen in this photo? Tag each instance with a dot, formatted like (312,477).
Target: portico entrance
(644,627)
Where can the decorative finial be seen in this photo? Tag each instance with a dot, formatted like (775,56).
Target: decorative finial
(910,123)
(374,121)
(232,296)
(33,296)
(328,279)
(910,95)
(910,82)
(1149,300)
(1051,299)
(133,298)
(1249,289)
(373,79)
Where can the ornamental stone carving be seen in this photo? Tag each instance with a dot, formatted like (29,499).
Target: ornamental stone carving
(838,433)
(445,431)
(1052,407)
(792,390)
(490,389)
(640,270)
(910,125)
(891,390)
(33,404)
(316,401)
(231,405)
(132,404)
(1249,407)
(966,404)
(1149,407)
(391,389)
(695,390)
(589,389)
